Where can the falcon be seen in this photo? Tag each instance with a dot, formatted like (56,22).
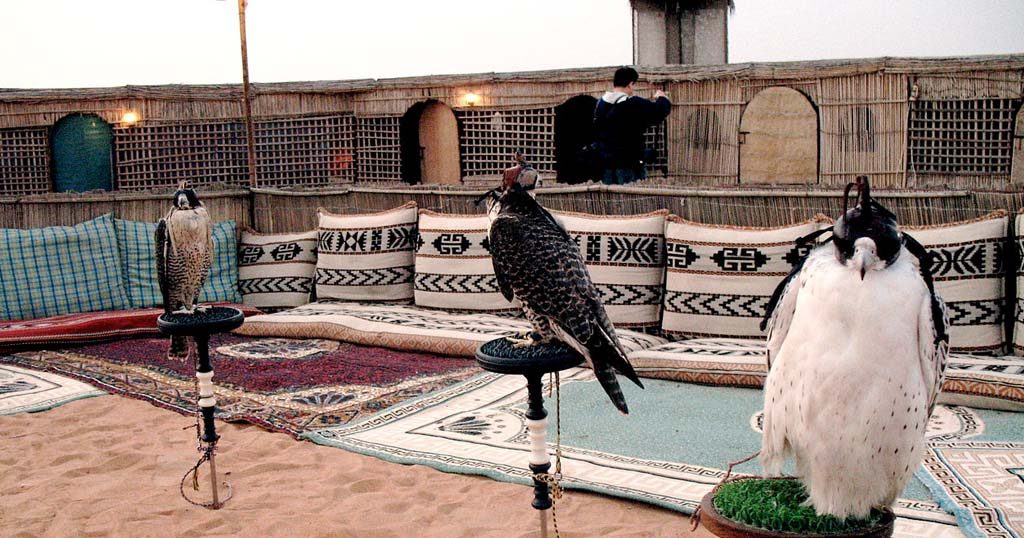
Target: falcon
(538,264)
(856,354)
(184,253)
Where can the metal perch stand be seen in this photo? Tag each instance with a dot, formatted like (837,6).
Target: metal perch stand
(533,362)
(200,326)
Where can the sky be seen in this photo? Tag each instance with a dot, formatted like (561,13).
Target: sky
(90,43)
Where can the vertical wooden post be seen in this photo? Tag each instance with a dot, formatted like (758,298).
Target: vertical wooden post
(249,129)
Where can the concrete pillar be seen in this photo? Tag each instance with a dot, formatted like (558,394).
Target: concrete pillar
(680,32)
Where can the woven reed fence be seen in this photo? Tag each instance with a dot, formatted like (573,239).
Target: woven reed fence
(291,211)
(69,209)
(943,123)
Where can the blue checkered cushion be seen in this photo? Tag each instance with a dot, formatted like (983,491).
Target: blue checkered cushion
(136,241)
(60,270)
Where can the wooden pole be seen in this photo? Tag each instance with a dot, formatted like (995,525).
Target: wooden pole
(250,131)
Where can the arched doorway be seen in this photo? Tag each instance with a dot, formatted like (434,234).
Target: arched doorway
(779,139)
(437,144)
(82,153)
(574,129)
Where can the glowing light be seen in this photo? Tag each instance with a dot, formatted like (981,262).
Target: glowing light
(471,98)
(130,118)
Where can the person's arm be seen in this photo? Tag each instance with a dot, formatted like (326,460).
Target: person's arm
(654,112)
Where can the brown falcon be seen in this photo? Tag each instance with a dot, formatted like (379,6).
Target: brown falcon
(536,262)
(184,253)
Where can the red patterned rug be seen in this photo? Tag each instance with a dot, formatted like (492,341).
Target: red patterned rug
(285,385)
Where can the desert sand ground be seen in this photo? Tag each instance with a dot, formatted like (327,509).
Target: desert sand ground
(110,466)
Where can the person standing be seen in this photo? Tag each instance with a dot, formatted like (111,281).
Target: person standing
(620,119)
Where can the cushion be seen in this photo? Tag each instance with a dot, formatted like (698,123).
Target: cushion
(276,270)
(1018,309)
(453,266)
(60,270)
(968,269)
(975,381)
(366,257)
(137,243)
(720,278)
(82,328)
(402,327)
(625,258)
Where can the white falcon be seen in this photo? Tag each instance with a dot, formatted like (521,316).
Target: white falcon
(857,348)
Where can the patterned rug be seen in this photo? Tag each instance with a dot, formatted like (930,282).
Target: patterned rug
(26,391)
(982,483)
(284,385)
(478,427)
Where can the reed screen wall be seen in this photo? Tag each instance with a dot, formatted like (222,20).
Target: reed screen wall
(379,155)
(488,138)
(24,161)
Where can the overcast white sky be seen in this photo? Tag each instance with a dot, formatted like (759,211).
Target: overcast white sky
(79,43)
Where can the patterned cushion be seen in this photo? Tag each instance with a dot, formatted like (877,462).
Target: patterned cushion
(137,243)
(983,382)
(625,257)
(453,267)
(720,278)
(366,257)
(402,327)
(969,275)
(1018,309)
(276,270)
(60,270)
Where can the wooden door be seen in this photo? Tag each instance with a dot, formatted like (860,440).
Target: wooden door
(439,144)
(82,153)
(779,139)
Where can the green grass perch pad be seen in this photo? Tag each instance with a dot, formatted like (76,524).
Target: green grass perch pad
(775,505)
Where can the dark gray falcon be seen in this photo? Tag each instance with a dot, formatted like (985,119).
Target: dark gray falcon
(536,262)
(184,253)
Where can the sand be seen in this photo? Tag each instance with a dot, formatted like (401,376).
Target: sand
(110,466)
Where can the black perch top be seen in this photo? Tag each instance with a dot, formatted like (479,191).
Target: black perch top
(501,357)
(216,319)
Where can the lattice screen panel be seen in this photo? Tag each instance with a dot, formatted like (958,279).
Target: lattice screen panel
(24,161)
(657,146)
(159,156)
(489,137)
(379,155)
(305,151)
(962,137)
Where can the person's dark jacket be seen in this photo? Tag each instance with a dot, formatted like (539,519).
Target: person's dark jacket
(620,122)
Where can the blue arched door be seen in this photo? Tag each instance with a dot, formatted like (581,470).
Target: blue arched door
(82,153)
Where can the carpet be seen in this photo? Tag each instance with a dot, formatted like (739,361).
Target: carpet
(283,385)
(26,391)
(670,451)
(981,482)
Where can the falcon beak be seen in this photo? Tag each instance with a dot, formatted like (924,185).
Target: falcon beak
(862,260)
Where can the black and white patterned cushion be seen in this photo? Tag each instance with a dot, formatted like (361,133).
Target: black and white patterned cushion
(276,270)
(366,257)
(453,265)
(720,278)
(625,258)
(969,272)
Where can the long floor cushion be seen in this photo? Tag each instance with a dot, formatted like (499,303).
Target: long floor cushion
(85,327)
(975,381)
(403,327)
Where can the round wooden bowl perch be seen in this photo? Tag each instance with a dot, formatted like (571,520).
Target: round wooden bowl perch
(723,527)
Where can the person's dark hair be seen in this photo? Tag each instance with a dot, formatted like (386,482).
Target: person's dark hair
(625,75)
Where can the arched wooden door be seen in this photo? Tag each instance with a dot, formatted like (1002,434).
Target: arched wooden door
(82,153)
(439,144)
(779,139)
